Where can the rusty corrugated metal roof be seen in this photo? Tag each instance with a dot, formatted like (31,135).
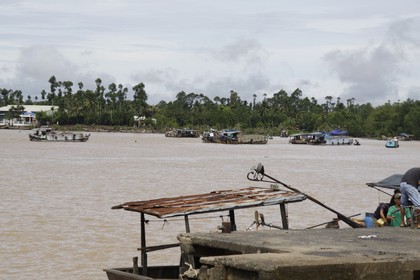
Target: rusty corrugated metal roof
(211,202)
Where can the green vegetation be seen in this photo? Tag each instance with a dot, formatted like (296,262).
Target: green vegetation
(109,106)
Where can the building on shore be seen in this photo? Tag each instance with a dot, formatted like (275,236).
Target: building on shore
(26,118)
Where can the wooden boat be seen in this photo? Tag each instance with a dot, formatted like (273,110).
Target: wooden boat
(405,137)
(182,132)
(312,138)
(47,134)
(299,138)
(316,138)
(392,143)
(185,206)
(233,137)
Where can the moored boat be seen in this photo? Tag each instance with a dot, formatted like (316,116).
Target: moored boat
(182,132)
(233,137)
(316,138)
(405,137)
(47,134)
(298,138)
(338,137)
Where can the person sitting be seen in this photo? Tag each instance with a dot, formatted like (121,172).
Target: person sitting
(409,185)
(378,218)
(395,215)
(380,214)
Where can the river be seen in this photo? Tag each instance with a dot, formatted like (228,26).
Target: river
(56,198)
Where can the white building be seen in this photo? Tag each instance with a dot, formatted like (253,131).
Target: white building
(28,116)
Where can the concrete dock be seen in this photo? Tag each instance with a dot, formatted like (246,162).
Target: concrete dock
(366,253)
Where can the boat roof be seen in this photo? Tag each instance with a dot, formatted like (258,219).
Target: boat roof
(338,132)
(230,131)
(214,201)
(391,182)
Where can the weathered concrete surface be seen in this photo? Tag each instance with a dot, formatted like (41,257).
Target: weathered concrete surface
(376,253)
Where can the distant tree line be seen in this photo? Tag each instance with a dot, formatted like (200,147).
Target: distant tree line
(109,106)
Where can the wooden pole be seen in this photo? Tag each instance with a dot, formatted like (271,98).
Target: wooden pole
(187,224)
(284,217)
(143,244)
(232,220)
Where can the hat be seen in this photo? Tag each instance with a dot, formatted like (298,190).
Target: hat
(397,195)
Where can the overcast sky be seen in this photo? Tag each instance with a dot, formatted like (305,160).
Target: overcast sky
(367,50)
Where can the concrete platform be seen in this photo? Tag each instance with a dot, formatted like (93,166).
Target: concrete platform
(367,253)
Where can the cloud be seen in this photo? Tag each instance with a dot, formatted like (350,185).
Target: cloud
(375,73)
(369,74)
(34,67)
(414,93)
(38,62)
(248,50)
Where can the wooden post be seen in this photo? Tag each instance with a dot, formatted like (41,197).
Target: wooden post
(143,244)
(232,220)
(186,257)
(136,266)
(284,217)
(187,224)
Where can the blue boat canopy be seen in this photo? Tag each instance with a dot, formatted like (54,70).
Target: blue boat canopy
(338,132)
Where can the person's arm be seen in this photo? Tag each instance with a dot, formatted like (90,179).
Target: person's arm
(382,214)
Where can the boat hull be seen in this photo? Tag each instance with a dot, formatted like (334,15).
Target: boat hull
(234,138)
(46,134)
(392,144)
(60,138)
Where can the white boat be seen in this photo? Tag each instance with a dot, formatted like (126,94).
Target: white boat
(392,143)
(47,134)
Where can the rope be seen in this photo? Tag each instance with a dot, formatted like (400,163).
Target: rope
(190,273)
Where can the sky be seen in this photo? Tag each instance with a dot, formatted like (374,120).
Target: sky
(366,50)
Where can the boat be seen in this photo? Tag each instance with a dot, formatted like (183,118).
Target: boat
(298,138)
(182,132)
(316,138)
(392,143)
(227,201)
(405,137)
(337,137)
(233,137)
(47,134)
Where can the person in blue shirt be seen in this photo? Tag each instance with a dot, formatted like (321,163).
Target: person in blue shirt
(409,192)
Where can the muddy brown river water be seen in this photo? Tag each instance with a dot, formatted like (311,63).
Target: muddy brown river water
(56,198)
